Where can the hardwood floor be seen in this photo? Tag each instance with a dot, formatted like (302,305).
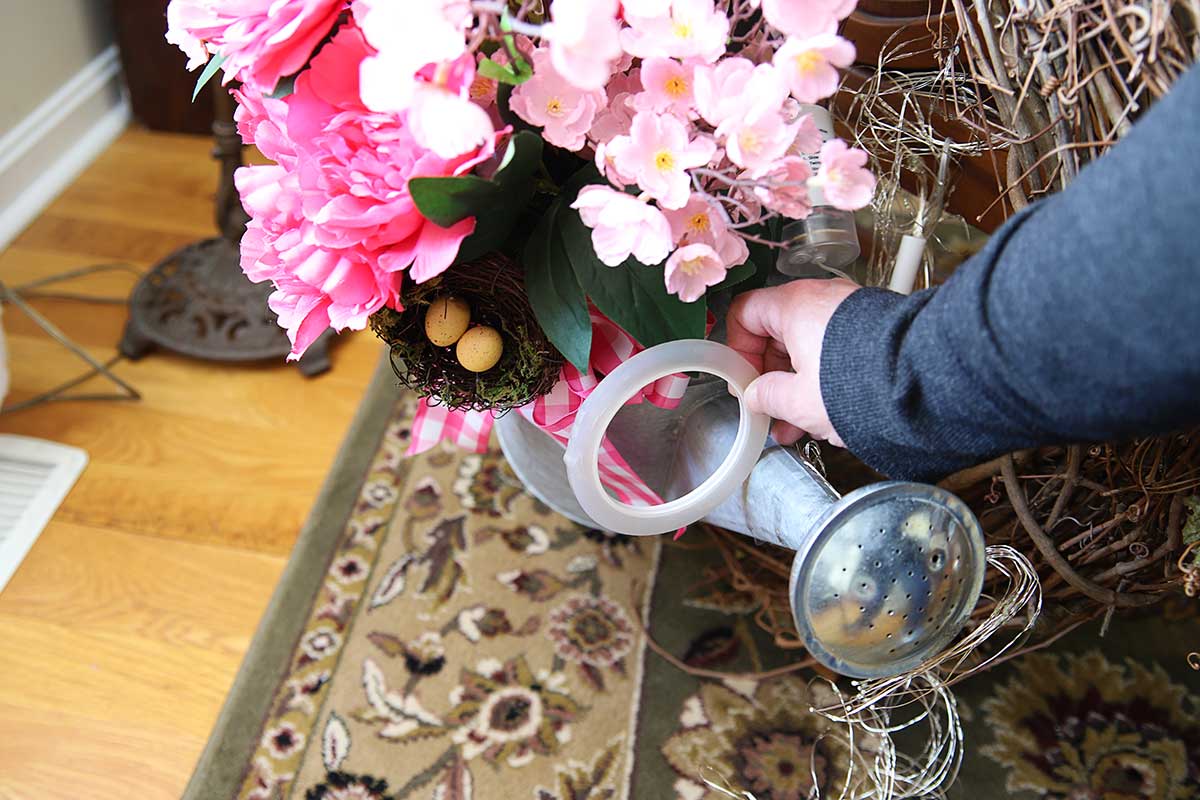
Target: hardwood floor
(125,625)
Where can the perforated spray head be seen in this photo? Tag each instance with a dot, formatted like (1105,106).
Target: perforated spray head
(887,577)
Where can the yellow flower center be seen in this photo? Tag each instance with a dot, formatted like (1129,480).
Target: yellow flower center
(691,266)
(750,141)
(554,107)
(698,222)
(664,161)
(682,30)
(676,87)
(808,62)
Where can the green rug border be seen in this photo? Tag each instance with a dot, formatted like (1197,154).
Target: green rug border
(222,765)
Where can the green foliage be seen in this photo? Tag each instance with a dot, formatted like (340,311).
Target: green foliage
(563,273)
(513,74)
(1191,527)
(557,299)
(210,69)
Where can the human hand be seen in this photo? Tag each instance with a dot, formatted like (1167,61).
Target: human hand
(779,330)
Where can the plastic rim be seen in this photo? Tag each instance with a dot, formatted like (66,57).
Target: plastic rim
(593,418)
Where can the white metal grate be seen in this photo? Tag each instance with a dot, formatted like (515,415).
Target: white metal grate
(35,476)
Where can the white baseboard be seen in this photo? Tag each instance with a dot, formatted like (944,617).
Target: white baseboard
(58,139)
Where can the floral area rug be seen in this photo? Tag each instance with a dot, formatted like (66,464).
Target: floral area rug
(438,633)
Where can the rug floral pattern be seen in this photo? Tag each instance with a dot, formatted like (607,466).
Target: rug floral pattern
(469,644)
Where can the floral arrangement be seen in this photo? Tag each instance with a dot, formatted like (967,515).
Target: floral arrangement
(630,156)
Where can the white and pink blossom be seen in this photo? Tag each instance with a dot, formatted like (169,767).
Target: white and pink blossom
(692,29)
(407,37)
(623,226)
(658,152)
(806,17)
(844,178)
(783,187)
(585,42)
(701,221)
(667,86)
(692,269)
(737,88)
(562,110)
(810,66)
(756,141)
(442,116)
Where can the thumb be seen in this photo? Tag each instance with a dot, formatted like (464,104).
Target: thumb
(779,395)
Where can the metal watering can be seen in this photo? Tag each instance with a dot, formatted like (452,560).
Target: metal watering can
(884,577)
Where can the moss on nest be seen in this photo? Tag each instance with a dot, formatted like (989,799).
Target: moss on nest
(494,288)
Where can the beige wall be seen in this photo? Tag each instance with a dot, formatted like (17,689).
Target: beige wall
(42,44)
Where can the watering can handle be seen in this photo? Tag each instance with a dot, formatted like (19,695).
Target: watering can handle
(591,422)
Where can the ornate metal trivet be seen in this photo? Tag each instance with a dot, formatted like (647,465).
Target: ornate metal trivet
(197,302)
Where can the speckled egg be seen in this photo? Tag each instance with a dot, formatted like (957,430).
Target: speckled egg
(480,348)
(446,320)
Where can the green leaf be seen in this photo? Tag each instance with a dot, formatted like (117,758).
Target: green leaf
(449,200)
(736,275)
(558,300)
(632,294)
(283,88)
(512,74)
(210,69)
(520,159)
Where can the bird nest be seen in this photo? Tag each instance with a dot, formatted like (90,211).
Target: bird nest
(493,286)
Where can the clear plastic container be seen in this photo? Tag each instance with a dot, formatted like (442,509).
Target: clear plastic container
(828,238)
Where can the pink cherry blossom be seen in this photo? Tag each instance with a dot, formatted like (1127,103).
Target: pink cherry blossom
(783,187)
(442,116)
(407,36)
(692,269)
(261,40)
(806,17)
(808,135)
(756,141)
(736,88)
(844,178)
(616,118)
(584,40)
(701,222)
(810,65)
(657,153)
(694,28)
(563,111)
(667,86)
(623,226)
(646,8)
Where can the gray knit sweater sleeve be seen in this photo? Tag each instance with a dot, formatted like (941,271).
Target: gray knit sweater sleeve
(1080,320)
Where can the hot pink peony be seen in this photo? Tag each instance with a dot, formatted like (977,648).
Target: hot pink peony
(623,226)
(584,40)
(810,65)
(692,269)
(692,29)
(806,17)
(844,178)
(658,152)
(564,112)
(261,40)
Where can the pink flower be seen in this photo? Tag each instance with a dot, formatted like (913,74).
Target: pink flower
(694,28)
(261,40)
(783,187)
(646,8)
(616,118)
(843,178)
(657,153)
(333,225)
(756,141)
(806,17)
(736,88)
(667,86)
(623,226)
(808,135)
(701,222)
(548,100)
(584,40)
(810,65)
(442,116)
(692,269)
(407,36)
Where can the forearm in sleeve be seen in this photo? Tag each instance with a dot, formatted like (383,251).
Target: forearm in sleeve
(1079,321)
